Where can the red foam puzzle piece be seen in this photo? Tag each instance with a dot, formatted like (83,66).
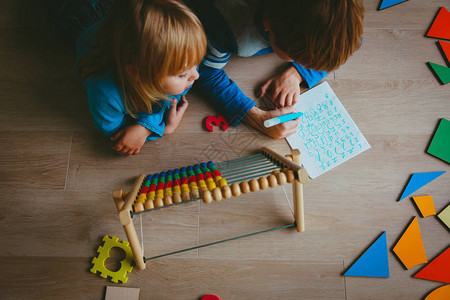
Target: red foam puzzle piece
(216,121)
(445,46)
(441,26)
(438,269)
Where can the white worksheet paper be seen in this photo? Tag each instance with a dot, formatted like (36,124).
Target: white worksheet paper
(326,135)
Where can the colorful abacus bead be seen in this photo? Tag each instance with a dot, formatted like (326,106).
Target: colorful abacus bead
(215,172)
(168,189)
(208,176)
(200,178)
(149,204)
(185,195)
(160,190)
(193,182)
(176,186)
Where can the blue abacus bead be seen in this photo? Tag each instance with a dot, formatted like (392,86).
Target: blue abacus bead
(210,163)
(203,165)
(176,171)
(170,172)
(183,169)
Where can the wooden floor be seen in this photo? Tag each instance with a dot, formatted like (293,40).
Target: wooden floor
(58,174)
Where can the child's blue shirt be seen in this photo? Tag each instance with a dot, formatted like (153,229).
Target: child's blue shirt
(234,27)
(106,103)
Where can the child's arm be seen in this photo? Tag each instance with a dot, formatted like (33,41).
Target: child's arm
(226,96)
(130,139)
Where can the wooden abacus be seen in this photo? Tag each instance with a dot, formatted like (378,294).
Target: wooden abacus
(208,181)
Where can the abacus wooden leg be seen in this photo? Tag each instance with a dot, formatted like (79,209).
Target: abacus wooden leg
(297,188)
(124,209)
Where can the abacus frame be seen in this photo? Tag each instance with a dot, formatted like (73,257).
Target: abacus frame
(124,201)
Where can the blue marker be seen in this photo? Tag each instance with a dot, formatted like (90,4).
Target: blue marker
(282,119)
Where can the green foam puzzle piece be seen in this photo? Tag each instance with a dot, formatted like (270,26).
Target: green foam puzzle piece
(440,144)
(442,72)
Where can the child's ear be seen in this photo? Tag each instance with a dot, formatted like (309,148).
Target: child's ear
(131,70)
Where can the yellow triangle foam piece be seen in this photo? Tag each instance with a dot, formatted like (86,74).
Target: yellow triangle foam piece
(409,249)
(444,216)
(425,205)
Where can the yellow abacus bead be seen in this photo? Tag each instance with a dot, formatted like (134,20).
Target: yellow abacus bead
(207,197)
(245,188)
(272,179)
(217,194)
(138,206)
(235,189)
(263,183)
(151,195)
(223,182)
(176,189)
(159,193)
(254,185)
(217,179)
(202,184)
(184,188)
(281,178)
(142,197)
(168,192)
(226,192)
(149,204)
(211,184)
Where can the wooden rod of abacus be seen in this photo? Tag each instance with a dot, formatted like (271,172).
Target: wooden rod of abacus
(302,175)
(297,188)
(125,211)
(130,231)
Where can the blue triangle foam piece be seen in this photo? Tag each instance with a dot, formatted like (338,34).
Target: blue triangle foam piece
(418,180)
(374,262)
(389,3)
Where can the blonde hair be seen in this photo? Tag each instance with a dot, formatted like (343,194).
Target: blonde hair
(158,38)
(319,34)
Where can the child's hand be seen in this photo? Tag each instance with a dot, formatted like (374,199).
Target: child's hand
(284,89)
(130,140)
(256,117)
(175,115)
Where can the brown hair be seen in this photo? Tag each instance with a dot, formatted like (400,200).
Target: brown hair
(157,37)
(318,34)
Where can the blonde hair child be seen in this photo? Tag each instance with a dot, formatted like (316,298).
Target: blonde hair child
(136,65)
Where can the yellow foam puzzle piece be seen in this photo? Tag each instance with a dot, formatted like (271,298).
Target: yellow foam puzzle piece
(409,249)
(425,205)
(444,216)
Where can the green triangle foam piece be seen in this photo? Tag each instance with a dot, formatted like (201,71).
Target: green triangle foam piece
(442,72)
(374,262)
(440,144)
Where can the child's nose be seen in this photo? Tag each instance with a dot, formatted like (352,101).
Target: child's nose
(194,75)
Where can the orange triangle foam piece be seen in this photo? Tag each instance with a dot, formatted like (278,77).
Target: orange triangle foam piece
(445,46)
(437,269)
(425,205)
(441,26)
(441,293)
(409,249)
